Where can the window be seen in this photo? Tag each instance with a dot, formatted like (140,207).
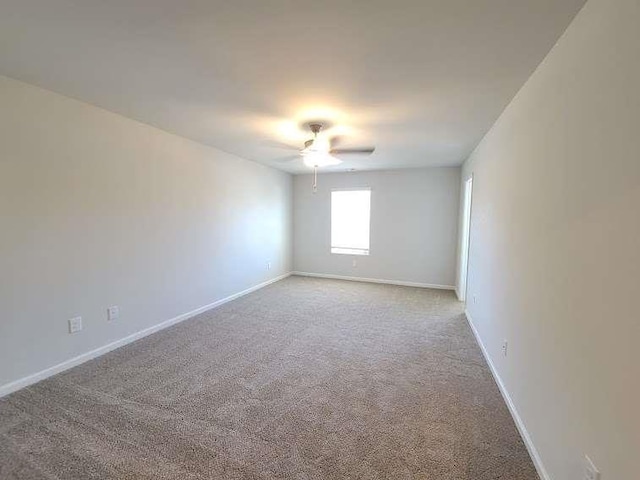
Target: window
(350,213)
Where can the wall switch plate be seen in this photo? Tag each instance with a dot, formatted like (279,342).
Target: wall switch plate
(113,313)
(590,470)
(505,348)
(268,265)
(354,263)
(75,324)
(475,299)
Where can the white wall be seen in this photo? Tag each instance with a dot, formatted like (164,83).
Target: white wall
(413,225)
(99,210)
(555,246)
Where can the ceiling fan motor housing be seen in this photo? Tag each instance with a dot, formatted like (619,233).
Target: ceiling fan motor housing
(315,128)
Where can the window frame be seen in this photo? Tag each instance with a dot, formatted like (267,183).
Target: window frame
(331,247)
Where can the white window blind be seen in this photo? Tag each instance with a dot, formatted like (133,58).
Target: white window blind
(350,215)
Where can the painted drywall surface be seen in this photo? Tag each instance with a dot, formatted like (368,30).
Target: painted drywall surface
(99,210)
(413,225)
(555,257)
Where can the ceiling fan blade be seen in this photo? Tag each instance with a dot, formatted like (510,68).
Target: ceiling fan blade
(336,140)
(349,151)
(288,158)
(280,145)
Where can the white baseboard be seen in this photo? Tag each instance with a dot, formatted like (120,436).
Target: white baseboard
(72,362)
(375,280)
(533,451)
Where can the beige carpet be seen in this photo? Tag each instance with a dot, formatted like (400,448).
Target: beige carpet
(304,379)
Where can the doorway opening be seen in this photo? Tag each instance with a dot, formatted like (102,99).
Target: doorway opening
(466,233)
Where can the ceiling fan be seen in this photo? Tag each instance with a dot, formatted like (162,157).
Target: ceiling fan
(322,151)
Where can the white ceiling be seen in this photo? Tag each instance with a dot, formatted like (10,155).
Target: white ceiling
(422,80)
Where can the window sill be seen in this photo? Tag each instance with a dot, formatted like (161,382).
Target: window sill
(349,251)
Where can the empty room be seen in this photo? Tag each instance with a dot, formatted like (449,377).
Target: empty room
(267,239)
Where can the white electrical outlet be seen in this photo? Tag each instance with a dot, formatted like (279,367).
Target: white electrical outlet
(590,470)
(505,348)
(75,324)
(113,313)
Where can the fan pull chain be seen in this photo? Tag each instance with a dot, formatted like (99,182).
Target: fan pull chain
(315,179)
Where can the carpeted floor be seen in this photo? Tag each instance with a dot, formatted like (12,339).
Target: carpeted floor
(304,379)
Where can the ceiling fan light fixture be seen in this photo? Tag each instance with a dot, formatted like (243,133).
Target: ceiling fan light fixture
(318,145)
(319,159)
